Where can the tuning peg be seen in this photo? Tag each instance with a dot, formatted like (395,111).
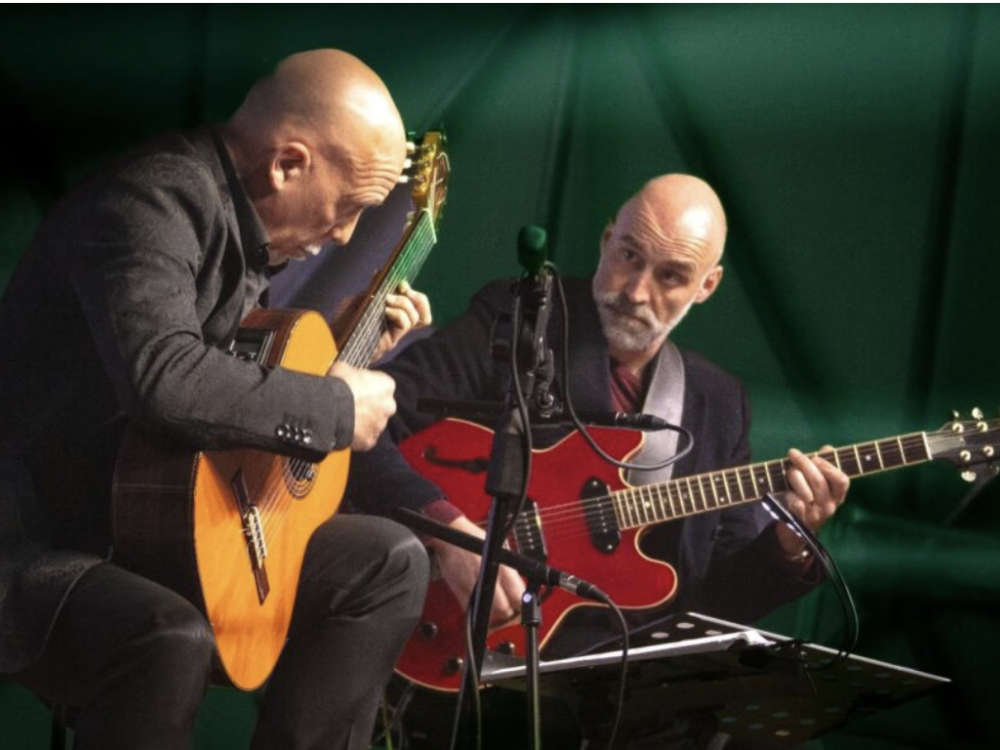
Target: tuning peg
(977,413)
(968,475)
(407,163)
(411,148)
(955,415)
(403,179)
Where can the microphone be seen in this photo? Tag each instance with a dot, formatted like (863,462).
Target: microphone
(532,244)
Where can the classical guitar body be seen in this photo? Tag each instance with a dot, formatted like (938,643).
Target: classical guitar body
(572,535)
(228,529)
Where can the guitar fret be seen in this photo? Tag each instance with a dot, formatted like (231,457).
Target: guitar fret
(706,497)
(867,457)
(661,508)
(782,485)
(878,454)
(890,454)
(661,512)
(739,485)
(690,494)
(616,506)
(845,462)
(857,457)
(715,493)
(753,481)
(633,511)
(763,480)
(673,509)
(629,523)
(720,479)
(646,505)
(636,507)
(902,452)
(919,442)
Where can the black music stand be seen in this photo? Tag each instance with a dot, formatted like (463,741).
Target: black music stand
(763,688)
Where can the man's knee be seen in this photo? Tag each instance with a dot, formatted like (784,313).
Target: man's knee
(177,639)
(405,560)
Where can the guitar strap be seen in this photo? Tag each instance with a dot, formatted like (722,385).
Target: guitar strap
(665,398)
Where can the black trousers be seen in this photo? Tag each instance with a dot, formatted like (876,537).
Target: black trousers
(132,660)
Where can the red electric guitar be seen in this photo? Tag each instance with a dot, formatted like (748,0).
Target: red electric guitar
(582,518)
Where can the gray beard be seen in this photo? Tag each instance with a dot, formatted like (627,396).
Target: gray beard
(628,334)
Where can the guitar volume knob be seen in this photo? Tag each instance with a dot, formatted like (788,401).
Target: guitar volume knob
(454,665)
(428,630)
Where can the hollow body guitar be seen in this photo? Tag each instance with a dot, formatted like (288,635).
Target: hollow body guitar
(582,518)
(228,529)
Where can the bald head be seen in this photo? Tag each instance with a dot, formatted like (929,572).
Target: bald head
(325,94)
(316,143)
(659,257)
(679,205)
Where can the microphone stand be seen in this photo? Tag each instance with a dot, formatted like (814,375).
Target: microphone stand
(506,476)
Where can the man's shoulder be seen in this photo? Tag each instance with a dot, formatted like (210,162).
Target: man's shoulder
(186,156)
(176,172)
(702,373)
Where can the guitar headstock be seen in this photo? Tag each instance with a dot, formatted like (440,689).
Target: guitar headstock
(428,169)
(971,444)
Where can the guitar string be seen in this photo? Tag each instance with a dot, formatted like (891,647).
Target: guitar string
(408,266)
(369,329)
(688,499)
(368,334)
(556,517)
(273,506)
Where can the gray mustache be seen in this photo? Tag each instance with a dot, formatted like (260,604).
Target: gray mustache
(620,303)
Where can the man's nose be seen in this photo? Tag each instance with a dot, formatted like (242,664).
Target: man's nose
(637,288)
(343,231)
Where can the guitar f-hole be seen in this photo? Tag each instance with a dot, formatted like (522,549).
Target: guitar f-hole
(253,530)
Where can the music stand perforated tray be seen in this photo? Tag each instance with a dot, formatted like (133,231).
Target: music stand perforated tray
(762,687)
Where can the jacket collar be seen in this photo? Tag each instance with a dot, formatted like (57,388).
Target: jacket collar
(253,236)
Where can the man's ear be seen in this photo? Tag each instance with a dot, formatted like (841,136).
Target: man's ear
(709,284)
(606,234)
(290,163)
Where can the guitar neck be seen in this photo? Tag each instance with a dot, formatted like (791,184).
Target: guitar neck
(361,343)
(717,490)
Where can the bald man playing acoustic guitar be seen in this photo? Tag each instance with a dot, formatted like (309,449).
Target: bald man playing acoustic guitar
(120,312)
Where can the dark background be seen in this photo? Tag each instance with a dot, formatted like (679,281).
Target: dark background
(857,150)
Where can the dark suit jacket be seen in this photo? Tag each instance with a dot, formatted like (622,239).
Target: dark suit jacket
(121,309)
(729,563)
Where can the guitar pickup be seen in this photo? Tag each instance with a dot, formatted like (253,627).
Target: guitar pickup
(600,514)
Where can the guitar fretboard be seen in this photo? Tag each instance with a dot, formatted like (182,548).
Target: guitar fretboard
(716,490)
(362,343)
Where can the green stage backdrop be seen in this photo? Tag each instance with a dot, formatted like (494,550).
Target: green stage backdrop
(857,150)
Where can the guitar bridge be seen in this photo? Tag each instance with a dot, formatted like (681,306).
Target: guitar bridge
(527,533)
(253,530)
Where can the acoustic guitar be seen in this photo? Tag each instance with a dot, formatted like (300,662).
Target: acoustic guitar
(581,517)
(228,529)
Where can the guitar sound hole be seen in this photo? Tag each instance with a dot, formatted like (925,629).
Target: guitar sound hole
(299,476)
